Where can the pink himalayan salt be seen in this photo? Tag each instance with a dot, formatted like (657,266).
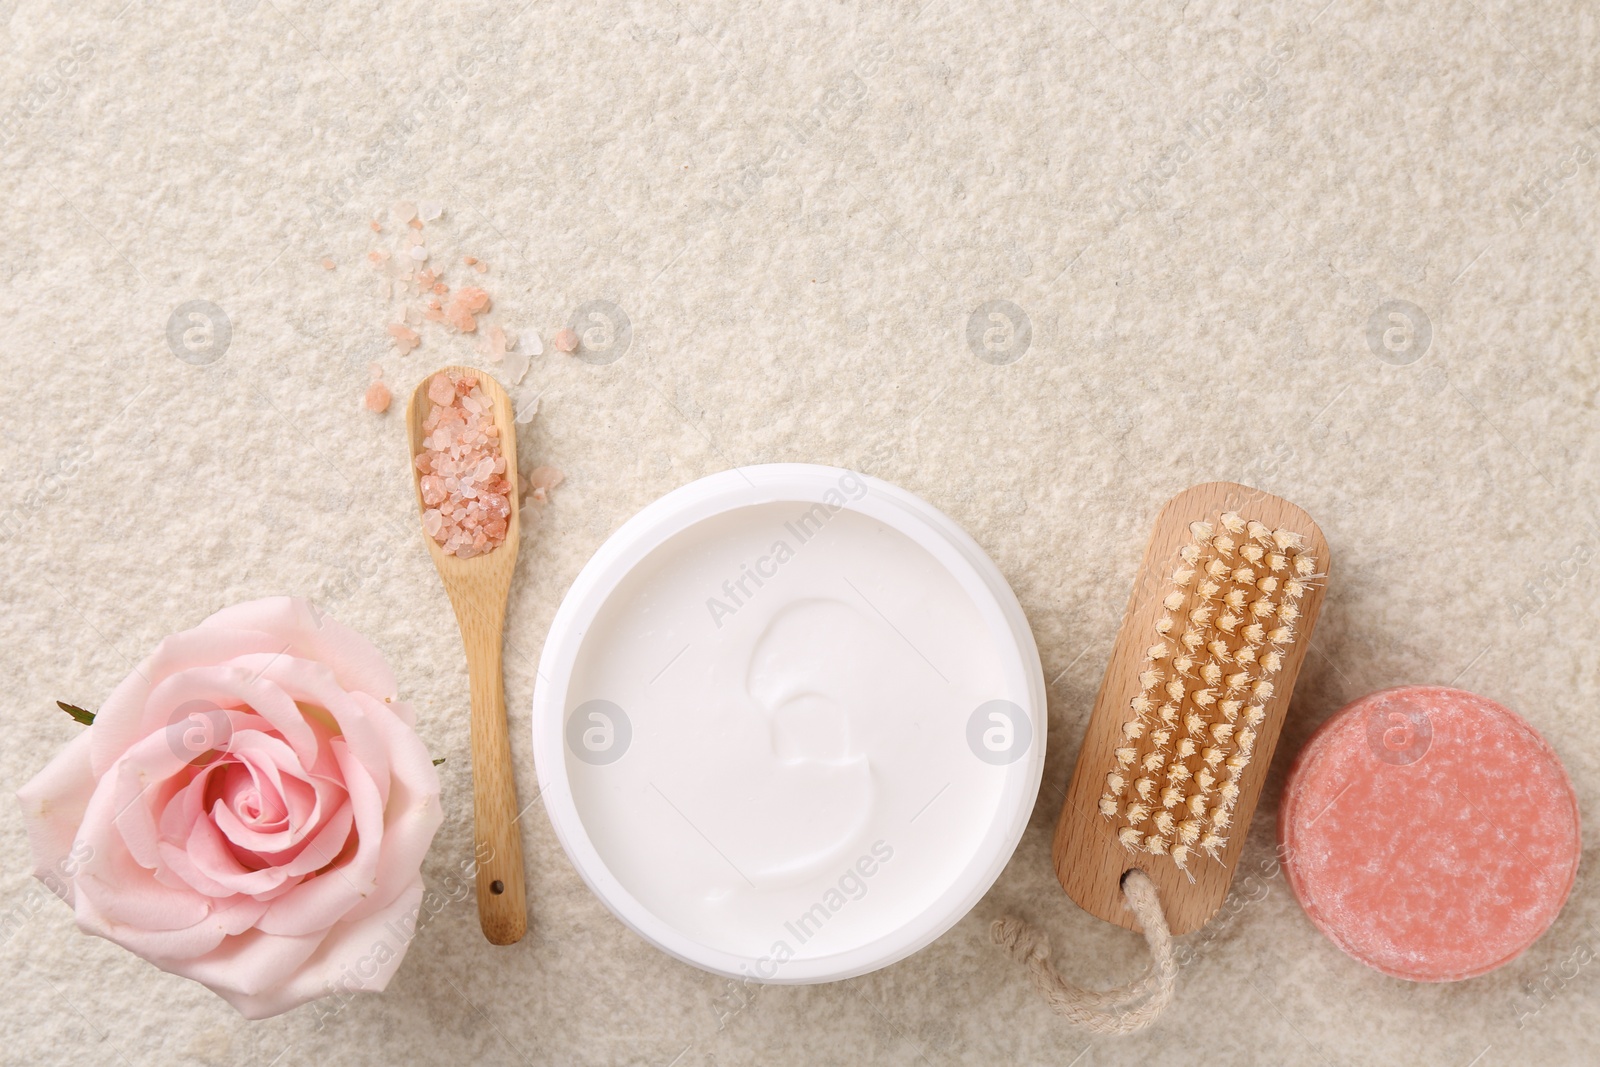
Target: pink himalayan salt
(377,398)
(566,341)
(464,306)
(541,480)
(405,338)
(495,344)
(463,483)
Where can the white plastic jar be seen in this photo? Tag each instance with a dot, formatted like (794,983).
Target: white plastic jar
(789,723)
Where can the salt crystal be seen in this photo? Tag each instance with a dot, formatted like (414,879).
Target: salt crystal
(514,367)
(405,338)
(419,253)
(528,410)
(441,390)
(377,398)
(405,210)
(375,371)
(566,341)
(495,344)
(528,341)
(545,477)
(327,263)
(429,210)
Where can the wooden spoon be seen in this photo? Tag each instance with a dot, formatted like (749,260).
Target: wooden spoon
(477,588)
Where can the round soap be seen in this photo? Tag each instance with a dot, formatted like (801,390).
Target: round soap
(1430,833)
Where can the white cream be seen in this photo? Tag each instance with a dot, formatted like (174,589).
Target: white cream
(789,723)
(795,776)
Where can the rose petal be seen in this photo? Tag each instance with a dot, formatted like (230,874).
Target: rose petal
(123,718)
(314,686)
(312,635)
(208,849)
(354,956)
(53,804)
(122,890)
(413,813)
(319,902)
(162,946)
(186,709)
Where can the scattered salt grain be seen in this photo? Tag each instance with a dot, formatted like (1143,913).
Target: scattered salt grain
(419,253)
(405,338)
(375,371)
(529,343)
(377,398)
(566,341)
(376,227)
(429,210)
(469,260)
(527,411)
(405,210)
(543,479)
(464,306)
(327,263)
(514,367)
(463,481)
(494,344)
(480,266)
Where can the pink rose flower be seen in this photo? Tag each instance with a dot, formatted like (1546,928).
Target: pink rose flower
(250,809)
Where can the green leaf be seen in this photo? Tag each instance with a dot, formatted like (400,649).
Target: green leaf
(78,714)
(438,761)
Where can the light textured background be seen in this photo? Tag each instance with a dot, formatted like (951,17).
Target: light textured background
(1194,314)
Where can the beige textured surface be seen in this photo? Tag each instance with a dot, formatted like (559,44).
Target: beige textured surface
(799,206)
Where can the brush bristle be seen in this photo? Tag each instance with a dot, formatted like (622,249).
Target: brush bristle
(1212,678)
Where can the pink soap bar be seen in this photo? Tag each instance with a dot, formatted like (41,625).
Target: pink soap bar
(1430,833)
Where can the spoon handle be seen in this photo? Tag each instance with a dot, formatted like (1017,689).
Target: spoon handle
(502,898)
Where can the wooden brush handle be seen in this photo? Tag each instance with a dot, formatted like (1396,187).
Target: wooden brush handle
(502,899)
